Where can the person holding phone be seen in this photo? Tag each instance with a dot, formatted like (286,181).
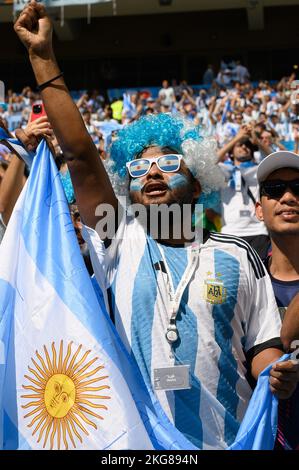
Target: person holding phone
(38,111)
(14,178)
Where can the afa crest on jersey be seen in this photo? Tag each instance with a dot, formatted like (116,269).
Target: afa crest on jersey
(214,290)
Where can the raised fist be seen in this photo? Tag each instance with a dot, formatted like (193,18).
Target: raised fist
(34,29)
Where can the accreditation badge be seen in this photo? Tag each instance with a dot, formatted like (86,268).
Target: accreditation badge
(172,378)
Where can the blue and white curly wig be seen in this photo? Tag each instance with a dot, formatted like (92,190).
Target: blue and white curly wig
(165,130)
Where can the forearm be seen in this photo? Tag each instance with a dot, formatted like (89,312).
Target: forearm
(11,187)
(60,107)
(91,182)
(290,326)
(280,146)
(263,360)
(191,99)
(226,149)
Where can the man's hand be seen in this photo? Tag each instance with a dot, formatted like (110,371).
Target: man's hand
(244,131)
(91,182)
(34,29)
(30,136)
(284,377)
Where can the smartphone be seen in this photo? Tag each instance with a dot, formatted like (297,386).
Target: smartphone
(37,111)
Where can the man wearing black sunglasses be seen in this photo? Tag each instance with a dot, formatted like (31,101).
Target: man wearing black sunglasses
(278,208)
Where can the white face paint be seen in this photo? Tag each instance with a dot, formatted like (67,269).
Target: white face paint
(177,181)
(136,184)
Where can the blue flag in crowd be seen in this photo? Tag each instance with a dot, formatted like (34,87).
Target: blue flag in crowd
(66,380)
(259,426)
(129,108)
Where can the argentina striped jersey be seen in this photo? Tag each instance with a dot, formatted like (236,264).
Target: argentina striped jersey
(227,312)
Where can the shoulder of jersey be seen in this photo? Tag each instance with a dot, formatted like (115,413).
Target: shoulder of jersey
(252,256)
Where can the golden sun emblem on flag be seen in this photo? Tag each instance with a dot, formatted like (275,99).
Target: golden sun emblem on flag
(63,398)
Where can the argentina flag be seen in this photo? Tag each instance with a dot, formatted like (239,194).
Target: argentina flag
(66,381)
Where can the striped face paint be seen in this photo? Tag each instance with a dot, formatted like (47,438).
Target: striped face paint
(136,184)
(177,181)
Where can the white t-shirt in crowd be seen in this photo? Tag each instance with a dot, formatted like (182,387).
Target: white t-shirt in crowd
(167,96)
(238,209)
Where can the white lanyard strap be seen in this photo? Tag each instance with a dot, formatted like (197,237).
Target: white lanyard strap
(175,297)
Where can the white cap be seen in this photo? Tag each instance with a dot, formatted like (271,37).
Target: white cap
(276,160)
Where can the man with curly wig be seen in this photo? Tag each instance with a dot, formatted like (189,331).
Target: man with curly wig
(195,316)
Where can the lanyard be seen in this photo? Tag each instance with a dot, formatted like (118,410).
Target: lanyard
(175,296)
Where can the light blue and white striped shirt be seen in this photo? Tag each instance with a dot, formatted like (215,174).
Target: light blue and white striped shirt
(227,312)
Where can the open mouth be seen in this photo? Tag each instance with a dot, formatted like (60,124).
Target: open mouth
(155,189)
(288,212)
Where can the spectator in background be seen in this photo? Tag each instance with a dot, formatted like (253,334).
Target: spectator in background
(268,142)
(117,109)
(241,192)
(14,178)
(166,95)
(201,100)
(90,126)
(278,208)
(130,107)
(176,87)
(151,104)
(208,76)
(241,73)
(4,114)
(184,87)
(224,77)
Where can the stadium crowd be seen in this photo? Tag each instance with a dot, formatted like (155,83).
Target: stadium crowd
(261,117)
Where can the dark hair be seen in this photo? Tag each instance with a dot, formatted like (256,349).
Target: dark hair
(248,144)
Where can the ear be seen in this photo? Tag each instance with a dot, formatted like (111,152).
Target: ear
(259,211)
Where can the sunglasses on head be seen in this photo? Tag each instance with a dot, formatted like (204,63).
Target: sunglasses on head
(166,163)
(274,189)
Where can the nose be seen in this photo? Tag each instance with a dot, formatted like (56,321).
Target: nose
(289,198)
(154,172)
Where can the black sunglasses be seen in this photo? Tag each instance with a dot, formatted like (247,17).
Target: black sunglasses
(274,189)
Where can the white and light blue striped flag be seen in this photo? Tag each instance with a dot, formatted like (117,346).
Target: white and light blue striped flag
(65,379)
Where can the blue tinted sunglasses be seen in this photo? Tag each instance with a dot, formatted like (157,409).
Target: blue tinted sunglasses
(166,163)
